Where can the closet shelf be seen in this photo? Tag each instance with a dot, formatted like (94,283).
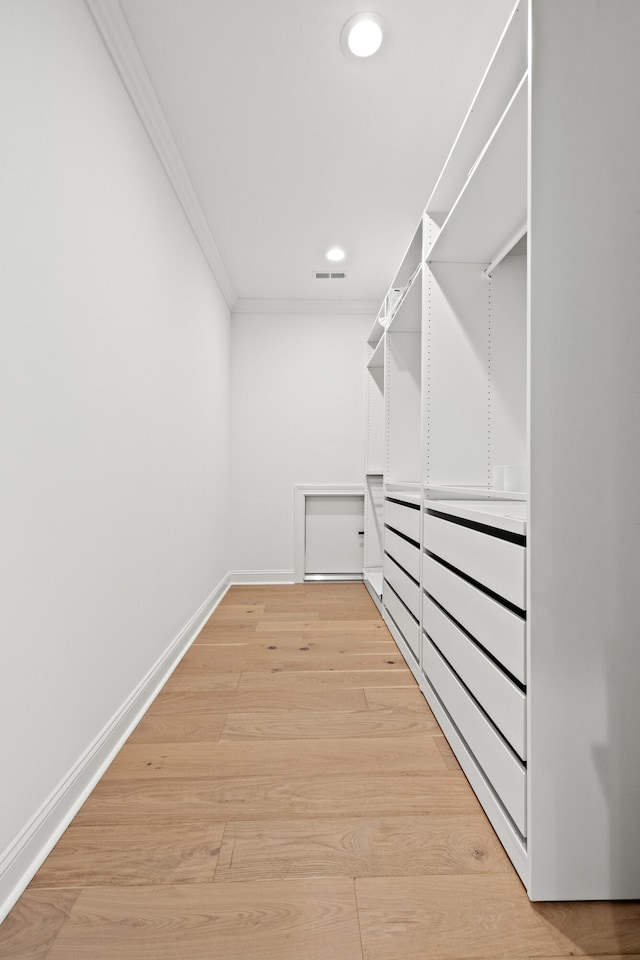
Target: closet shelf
(492,205)
(410,261)
(376,331)
(505,70)
(509,515)
(453,491)
(407,315)
(403,490)
(511,243)
(376,360)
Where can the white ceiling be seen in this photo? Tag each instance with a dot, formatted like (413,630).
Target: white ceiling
(291,147)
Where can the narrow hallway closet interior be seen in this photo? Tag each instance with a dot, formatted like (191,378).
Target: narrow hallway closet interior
(321,455)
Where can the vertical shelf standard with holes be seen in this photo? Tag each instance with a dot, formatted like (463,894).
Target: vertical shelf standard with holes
(510,362)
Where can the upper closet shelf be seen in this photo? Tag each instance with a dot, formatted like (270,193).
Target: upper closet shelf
(376,360)
(501,78)
(409,266)
(491,210)
(407,491)
(407,315)
(411,260)
(376,332)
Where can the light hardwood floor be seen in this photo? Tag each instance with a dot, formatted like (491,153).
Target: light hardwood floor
(289,796)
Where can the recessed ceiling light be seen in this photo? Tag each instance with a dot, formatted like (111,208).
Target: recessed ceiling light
(362,35)
(335,254)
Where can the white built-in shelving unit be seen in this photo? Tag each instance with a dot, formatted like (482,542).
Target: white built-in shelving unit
(374,461)
(504,364)
(403,369)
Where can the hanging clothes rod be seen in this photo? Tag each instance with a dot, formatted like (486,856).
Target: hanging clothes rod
(502,253)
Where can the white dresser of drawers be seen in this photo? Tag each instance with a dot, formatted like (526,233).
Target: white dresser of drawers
(401,571)
(473,640)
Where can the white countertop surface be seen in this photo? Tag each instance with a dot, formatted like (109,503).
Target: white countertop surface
(403,497)
(510,515)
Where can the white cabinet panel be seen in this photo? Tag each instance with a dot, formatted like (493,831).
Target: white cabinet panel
(407,590)
(499,764)
(403,518)
(494,562)
(495,627)
(408,627)
(499,696)
(333,534)
(403,552)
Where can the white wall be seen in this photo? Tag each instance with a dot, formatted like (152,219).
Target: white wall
(114,383)
(297,417)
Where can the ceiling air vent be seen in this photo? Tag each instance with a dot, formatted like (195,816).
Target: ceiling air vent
(324,275)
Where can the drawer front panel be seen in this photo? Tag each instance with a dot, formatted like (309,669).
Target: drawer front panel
(407,626)
(500,765)
(403,552)
(497,629)
(404,519)
(407,590)
(495,692)
(497,564)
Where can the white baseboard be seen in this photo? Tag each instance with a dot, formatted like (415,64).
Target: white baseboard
(20,861)
(261,576)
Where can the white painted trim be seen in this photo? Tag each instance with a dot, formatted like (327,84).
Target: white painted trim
(373,593)
(20,861)
(261,576)
(300,494)
(331,308)
(118,39)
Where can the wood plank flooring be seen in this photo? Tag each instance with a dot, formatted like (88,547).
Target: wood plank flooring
(289,794)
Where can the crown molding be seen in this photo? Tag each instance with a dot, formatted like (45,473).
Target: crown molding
(316,307)
(118,39)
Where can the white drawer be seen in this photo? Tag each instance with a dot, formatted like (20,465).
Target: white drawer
(502,699)
(405,623)
(403,552)
(492,561)
(407,590)
(403,518)
(495,627)
(499,764)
